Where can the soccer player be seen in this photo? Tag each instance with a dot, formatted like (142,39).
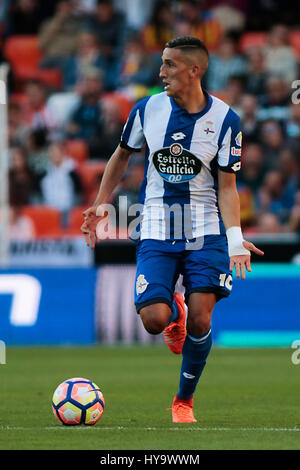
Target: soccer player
(190,223)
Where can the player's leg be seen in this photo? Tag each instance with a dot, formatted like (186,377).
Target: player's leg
(157,272)
(207,279)
(195,351)
(197,343)
(155,317)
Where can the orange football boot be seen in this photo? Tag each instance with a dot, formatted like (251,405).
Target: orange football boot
(182,411)
(175,332)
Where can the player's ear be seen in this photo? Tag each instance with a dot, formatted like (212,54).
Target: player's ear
(195,71)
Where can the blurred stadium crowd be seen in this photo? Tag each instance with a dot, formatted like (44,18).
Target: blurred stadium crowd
(77,67)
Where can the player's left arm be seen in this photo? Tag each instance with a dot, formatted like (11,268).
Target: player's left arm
(229,203)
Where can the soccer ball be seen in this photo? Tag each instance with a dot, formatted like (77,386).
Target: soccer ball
(78,401)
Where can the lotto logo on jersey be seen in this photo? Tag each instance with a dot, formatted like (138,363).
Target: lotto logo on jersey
(176,164)
(236,166)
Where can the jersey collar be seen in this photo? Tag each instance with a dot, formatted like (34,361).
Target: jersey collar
(206,108)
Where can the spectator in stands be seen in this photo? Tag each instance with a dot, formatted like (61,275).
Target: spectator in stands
(61,186)
(194,20)
(109,137)
(293,224)
(129,189)
(58,35)
(268,223)
(275,102)
(253,167)
(138,67)
(88,53)
(292,127)
(21,178)
(110,25)
(23,17)
(36,113)
(275,197)
(4,7)
(280,57)
(85,7)
(234,92)
(249,118)
(36,145)
(86,121)
(159,30)
(231,16)
(225,63)
(256,74)
(289,167)
(262,14)
(272,139)
(17,129)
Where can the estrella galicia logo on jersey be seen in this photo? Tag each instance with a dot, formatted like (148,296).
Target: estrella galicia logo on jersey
(176,164)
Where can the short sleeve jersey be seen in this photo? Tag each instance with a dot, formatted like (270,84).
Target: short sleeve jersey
(183,152)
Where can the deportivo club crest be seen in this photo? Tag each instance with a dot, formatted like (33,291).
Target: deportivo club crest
(176,149)
(141,284)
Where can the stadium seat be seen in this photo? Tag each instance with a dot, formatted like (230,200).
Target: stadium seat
(47,220)
(125,104)
(90,173)
(75,220)
(252,39)
(50,77)
(295,42)
(77,149)
(18,98)
(24,55)
(90,170)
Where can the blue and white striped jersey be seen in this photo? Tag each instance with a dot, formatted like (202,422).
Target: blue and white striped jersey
(183,154)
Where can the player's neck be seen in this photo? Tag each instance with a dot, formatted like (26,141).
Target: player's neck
(193,100)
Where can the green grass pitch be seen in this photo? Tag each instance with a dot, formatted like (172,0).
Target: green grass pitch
(246,399)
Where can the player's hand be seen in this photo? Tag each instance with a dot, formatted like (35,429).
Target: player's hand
(89,226)
(242,262)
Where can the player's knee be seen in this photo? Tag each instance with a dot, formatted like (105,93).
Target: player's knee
(199,324)
(154,319)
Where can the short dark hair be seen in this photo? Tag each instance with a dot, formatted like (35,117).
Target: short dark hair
(187,43)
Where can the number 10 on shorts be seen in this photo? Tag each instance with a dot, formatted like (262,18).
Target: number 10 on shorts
(226,281)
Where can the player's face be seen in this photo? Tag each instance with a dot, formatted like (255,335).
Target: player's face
(175,73)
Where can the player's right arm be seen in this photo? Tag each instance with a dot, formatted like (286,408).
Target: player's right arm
(113,174)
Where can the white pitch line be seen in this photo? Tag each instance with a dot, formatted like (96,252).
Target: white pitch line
(156,429)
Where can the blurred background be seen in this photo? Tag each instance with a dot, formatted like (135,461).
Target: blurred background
(73,70)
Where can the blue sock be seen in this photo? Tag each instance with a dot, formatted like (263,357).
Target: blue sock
(174,312)
(194,353)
